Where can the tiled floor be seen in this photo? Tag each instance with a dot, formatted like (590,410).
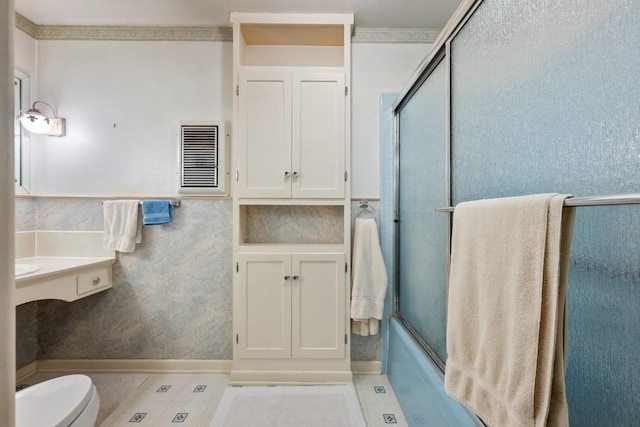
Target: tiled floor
(378,401)
(192,399)
(169,399)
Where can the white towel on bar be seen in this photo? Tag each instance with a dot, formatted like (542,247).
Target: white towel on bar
(121,225)
(505,323)
(369,279)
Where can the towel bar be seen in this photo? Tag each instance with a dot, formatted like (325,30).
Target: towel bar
(173,203)
(622,199)
(364,206)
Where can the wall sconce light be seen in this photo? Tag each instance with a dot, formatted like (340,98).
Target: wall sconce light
(36,121)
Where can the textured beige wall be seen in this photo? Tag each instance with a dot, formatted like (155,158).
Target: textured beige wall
(7,286)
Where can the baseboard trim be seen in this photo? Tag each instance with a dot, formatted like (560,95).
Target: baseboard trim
(26,371)
(372,367)
(259,377)
(155,366)
(138,365)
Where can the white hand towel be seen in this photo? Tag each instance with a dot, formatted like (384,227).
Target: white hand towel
(369,279)
(505,322)
(121,225)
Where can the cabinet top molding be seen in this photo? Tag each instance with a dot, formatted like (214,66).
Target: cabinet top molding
(292,18)
(251,30)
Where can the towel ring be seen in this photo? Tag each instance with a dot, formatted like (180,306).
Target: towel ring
(363,208)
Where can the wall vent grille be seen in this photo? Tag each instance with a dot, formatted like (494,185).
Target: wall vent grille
(203,158)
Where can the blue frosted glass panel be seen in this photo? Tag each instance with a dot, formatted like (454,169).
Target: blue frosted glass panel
(422,232)
(546,98)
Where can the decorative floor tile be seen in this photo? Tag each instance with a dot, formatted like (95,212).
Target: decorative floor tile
(379,389)
(199,388)
(129,409)
(374,389)
(389,419)
(124,422)
(138,417)
(180,417)
(163,389)
(195,409)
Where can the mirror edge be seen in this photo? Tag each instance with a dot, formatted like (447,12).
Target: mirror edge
(23,180)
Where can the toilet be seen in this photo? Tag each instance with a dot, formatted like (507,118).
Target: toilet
(70,400)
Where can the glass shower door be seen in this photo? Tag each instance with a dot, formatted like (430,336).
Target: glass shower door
(422,240)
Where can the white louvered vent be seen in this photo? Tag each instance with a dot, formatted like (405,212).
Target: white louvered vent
(203,159)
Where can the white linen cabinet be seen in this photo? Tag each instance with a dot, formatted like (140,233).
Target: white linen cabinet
(291,198)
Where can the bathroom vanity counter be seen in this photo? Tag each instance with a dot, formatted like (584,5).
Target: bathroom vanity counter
(50,267)
(65,265)
(64,278)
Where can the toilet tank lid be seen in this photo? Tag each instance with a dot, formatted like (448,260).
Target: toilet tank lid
(56,402)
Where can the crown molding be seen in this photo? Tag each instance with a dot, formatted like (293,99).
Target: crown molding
(26,25)
(122,32)
(132,33)
(394,35)
(200,33)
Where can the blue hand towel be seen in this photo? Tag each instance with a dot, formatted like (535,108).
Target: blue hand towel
(156,212)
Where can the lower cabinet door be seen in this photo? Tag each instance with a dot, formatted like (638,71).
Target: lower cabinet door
(291,306)
(318,305)
(264,306)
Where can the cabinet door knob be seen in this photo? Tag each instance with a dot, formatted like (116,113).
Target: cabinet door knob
(96,281)
(287,174)
(287,277)
(295,174)
(296,277)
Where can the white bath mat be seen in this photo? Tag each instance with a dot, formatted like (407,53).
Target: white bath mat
(308,406)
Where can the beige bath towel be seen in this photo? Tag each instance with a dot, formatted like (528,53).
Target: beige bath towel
(505,330)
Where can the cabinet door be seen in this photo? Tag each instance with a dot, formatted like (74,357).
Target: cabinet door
(318,303)
(264,113)
(264,306)
(318,135)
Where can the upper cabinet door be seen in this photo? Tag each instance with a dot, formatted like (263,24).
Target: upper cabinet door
(264,130)
(318,135)
(291,133)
